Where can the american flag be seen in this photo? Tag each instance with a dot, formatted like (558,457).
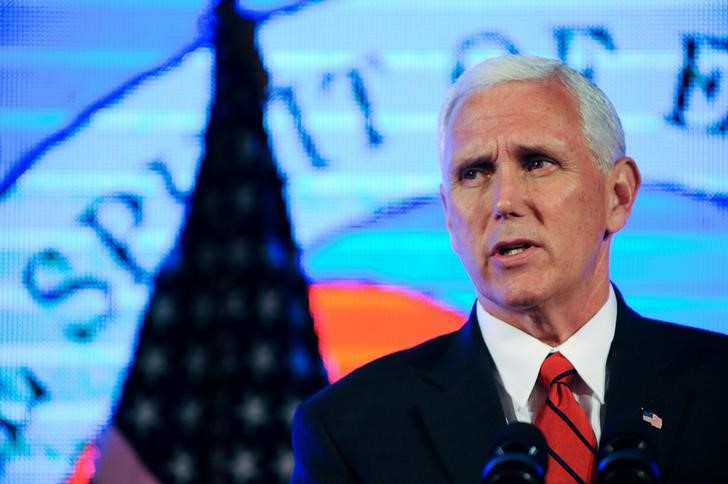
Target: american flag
(652,418)
(227,348)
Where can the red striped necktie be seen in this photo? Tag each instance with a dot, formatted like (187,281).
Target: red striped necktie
(569,435)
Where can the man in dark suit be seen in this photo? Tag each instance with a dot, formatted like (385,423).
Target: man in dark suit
(535,183)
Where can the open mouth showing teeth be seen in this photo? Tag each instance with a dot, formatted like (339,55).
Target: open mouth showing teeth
(509,250)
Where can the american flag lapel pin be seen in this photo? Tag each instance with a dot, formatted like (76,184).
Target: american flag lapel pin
(652,418)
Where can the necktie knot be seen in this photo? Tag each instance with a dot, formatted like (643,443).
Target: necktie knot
(556,369)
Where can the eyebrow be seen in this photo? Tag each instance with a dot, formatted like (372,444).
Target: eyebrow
(540,149)
(522,150)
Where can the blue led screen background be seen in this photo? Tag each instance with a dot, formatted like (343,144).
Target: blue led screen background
(102,110)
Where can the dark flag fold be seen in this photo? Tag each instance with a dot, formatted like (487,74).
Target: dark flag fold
(227,347)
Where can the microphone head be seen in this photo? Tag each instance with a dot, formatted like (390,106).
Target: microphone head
(518,455)
(625,454)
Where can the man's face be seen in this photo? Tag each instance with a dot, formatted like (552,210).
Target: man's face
(525,203)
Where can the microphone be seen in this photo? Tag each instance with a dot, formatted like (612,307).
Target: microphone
(625,455)
(518,456)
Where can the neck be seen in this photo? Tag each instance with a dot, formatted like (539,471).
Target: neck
(555,320)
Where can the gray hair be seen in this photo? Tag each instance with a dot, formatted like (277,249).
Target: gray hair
(599,120)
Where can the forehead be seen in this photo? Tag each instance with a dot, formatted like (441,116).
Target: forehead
(525,111)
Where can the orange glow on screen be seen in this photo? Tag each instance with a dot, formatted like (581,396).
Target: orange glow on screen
(84,469)
(358,322)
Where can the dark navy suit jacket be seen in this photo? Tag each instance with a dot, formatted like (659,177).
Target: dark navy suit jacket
(429,414)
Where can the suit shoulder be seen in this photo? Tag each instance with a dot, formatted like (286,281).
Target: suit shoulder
(695,343)
(692,334)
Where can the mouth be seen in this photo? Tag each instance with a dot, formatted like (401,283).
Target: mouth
(510,249)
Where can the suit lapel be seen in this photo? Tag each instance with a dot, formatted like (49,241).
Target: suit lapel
(628,367)
(464,411)
(639,379)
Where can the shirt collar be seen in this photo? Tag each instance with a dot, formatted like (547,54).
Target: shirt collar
(518,355)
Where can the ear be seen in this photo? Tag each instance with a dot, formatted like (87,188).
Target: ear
(623,183)
(448,222)
(444,201)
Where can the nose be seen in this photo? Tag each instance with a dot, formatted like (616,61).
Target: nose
(509,191)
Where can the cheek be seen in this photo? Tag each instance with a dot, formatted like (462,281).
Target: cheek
(587,216)
(466,220)
(571,211)
(472,216)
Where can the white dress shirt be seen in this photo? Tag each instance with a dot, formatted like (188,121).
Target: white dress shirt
(518,357)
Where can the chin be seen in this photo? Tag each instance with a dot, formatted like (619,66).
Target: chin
(513,299)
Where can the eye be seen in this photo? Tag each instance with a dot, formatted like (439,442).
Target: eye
(538,163)
(470,174)
(474,176)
